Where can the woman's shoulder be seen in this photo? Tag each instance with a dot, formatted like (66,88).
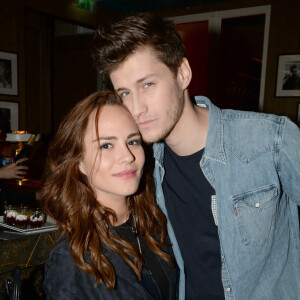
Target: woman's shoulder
(60,274)
(61,247)
(60,256)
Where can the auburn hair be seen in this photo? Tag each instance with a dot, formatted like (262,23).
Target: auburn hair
(69,199)
(114,42)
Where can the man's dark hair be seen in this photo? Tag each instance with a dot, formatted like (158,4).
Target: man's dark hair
(293,67)
(115,42)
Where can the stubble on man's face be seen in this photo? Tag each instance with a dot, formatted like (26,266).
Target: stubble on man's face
(143,77)
(168,121)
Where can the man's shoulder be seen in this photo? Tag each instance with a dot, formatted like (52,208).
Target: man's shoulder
(250,134)
(236,115)
(232,115)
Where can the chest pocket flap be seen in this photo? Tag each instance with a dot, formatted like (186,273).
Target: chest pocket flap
(255,212)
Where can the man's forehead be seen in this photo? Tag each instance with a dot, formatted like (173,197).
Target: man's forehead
(140,53)
(134,69)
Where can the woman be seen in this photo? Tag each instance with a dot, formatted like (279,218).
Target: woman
(112,243)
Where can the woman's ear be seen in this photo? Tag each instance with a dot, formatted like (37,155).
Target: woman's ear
(81,168)
(184,73)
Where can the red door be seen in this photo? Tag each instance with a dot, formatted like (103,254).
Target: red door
(195,38)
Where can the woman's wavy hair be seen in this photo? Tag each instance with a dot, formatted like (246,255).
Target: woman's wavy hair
(114,42)
(69,199)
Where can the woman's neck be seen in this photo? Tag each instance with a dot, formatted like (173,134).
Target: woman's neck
(122,217)
(119,205)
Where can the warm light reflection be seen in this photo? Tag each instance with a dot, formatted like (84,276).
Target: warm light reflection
(20,131)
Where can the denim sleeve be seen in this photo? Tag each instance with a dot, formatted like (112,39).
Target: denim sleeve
(289,160)
(60,282)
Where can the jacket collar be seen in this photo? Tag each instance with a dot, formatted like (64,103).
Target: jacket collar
(214,148)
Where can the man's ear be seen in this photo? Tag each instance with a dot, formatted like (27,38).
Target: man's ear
(184,73)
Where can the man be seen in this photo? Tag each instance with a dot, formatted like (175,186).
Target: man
(228,181)
(292,81)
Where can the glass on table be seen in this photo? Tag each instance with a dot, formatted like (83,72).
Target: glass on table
(9,216)
(37,218)
(22,218)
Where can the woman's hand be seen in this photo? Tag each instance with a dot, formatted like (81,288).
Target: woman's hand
(14,171)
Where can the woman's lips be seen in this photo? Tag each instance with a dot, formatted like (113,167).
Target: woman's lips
(126,174)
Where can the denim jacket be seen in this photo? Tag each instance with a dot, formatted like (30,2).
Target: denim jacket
(253,162)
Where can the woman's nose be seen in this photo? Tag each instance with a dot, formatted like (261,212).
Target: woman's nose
(127,156)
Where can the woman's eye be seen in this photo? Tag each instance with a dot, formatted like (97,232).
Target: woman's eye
(105,146)
(135,142)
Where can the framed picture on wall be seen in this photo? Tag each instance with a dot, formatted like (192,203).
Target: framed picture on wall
(9,116)
(8,73)
(288,76)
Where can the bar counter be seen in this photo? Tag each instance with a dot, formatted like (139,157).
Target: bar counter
(30,253)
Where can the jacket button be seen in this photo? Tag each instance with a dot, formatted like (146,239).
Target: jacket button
(228,289)
(257,205)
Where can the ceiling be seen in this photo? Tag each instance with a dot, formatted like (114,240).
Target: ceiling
(132,6)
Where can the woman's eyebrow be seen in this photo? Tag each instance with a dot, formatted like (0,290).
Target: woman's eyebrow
(108,138)
(133,134)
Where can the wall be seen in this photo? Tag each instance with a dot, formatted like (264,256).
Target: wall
(25,25)
(284,37)
(12,40)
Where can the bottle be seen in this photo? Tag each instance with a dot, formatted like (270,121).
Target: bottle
(26,151)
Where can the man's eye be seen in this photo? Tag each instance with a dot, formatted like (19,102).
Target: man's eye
(148,84)
(105,146)
(135,142)
(124,94)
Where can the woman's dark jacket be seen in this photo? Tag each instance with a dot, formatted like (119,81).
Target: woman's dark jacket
(64,280)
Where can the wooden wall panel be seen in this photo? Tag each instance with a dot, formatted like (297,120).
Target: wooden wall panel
(38,72)
(74,75)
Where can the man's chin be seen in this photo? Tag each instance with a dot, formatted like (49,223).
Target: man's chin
(151,138)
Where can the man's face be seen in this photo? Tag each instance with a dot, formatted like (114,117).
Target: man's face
(294,70)
(151,92)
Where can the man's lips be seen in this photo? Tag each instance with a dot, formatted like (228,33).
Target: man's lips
(126,174)
(145,124)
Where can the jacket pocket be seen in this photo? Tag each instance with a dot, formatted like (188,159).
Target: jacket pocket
(255,212)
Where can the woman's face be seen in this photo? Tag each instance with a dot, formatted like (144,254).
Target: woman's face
(114,168)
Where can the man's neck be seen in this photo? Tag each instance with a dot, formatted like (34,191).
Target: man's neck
(189,134)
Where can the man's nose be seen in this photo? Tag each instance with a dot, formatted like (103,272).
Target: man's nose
(139,105)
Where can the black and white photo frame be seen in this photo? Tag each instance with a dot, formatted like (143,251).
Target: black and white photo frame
(9,116)
(288,76)
(8,73)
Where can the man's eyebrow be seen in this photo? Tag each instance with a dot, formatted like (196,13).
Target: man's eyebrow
(138,81)
(145,78)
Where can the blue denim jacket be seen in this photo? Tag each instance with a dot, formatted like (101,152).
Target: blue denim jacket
(253,162)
